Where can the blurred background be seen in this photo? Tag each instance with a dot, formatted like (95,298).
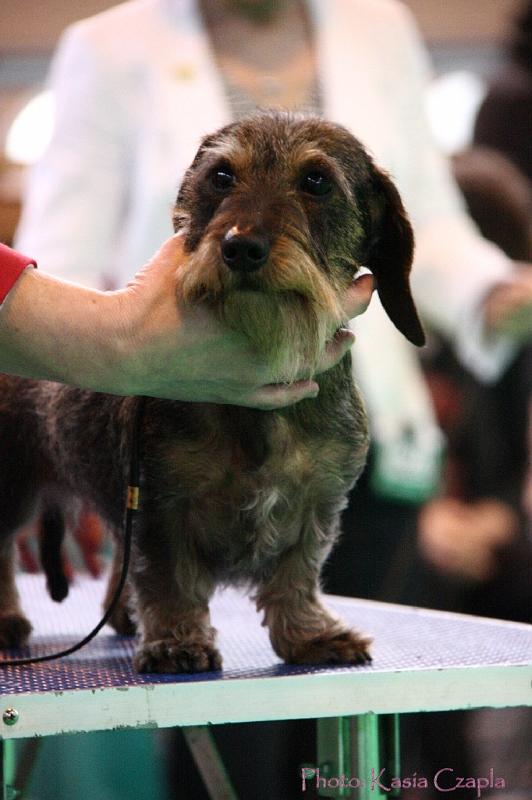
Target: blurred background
(470,552)
(464,39)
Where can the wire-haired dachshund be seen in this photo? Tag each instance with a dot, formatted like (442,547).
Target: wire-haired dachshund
(278,212)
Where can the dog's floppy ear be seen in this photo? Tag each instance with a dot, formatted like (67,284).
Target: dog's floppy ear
(390,258)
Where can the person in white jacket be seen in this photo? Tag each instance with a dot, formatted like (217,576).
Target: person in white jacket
(137,86)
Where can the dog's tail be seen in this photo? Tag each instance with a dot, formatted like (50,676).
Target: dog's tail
(51,535)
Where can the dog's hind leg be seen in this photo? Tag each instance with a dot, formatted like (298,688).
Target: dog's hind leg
(121,619)
(14,627)
(20,463)
(17,507)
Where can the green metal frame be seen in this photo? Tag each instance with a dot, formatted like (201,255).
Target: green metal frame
(348,749)
(7,767)
(351,753)
(209,762)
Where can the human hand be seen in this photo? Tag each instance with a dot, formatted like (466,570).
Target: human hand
(508,307)
(173,351)
(88,534)
(25,540)
(462,539)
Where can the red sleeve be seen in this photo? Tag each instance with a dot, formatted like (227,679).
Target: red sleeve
(12,265)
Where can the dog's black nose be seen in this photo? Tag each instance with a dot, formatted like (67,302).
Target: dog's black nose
(245,252)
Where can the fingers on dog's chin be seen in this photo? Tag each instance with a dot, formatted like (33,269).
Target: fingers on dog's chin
(363,283)
(279,395)
(170,251)
(175,242)
(338,346)
(359,295)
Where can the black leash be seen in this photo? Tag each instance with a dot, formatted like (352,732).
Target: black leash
(132,508)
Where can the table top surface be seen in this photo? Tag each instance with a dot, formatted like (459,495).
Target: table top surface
(422,660)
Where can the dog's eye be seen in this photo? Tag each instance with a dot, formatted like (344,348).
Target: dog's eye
(223,178)
(316,183)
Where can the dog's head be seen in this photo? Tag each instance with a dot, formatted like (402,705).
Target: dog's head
(280,212)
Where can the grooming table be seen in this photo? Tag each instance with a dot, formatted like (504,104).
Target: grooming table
(422,661)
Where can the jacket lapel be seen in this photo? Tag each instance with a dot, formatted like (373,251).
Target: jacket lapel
(351,98)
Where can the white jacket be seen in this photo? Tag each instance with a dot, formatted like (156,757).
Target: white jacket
(136,87)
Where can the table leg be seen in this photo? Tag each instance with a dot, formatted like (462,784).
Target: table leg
(209,762)
(377,749)
(334,759)
(7,769)
(352,751)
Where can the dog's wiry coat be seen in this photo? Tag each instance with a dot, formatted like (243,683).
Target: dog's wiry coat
(229,494)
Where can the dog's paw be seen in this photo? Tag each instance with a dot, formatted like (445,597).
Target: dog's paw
(169,656)
(14,630)
(347,647)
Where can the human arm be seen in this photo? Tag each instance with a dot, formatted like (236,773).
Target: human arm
(142,340)
(508,306)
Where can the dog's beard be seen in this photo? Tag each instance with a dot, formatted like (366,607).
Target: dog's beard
(288,310)
(291,318)
(287,333)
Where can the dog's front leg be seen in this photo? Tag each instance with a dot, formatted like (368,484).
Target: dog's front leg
(171,595)
(302,630)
